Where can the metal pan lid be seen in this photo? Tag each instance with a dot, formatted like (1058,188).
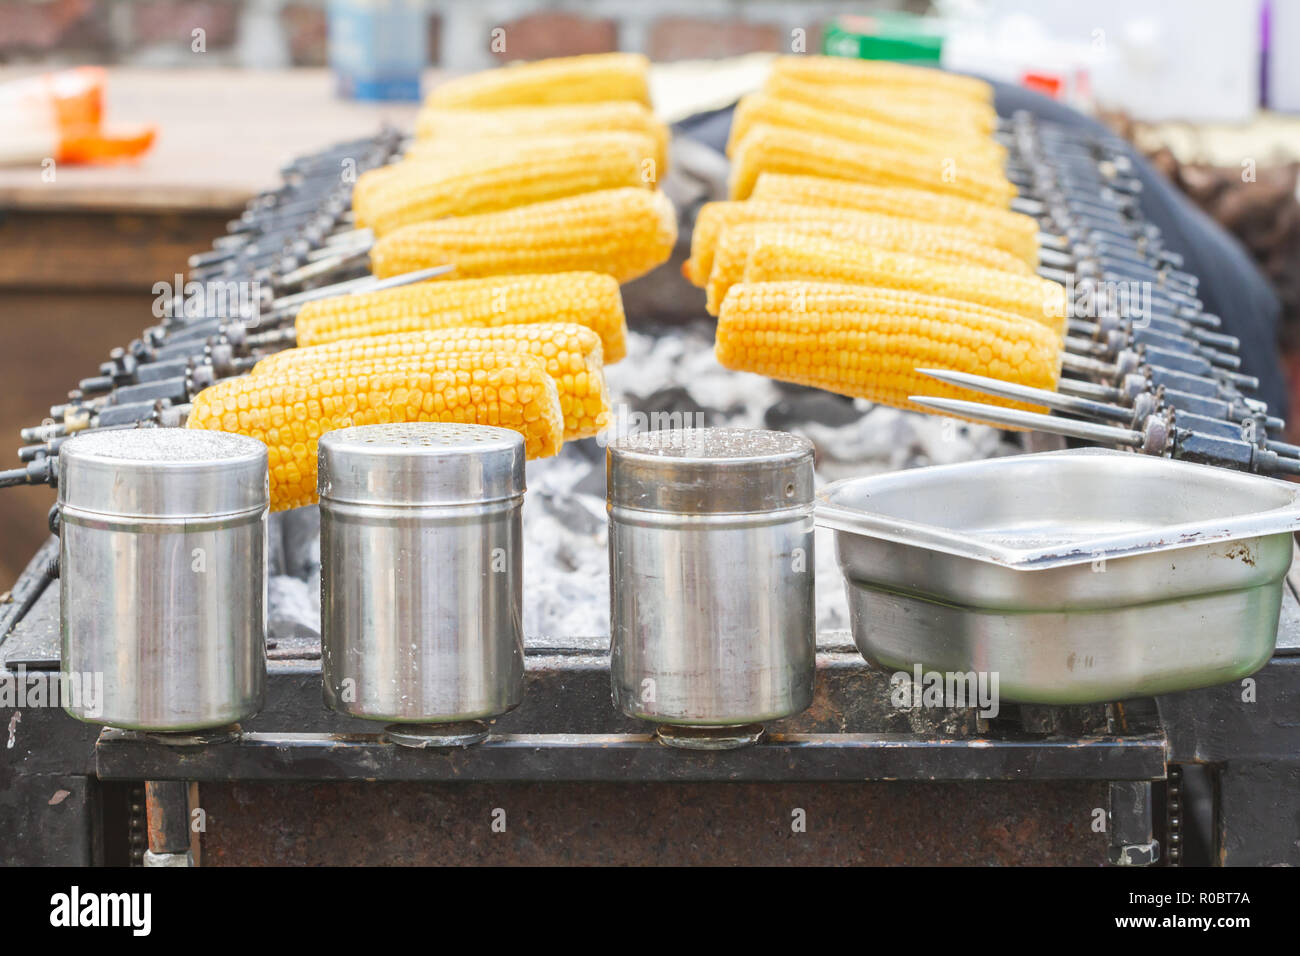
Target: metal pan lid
(710,471)
(421,463)
(163,473)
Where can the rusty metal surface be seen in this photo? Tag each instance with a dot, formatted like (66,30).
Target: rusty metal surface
(127,755)
(167,815)
(653,824)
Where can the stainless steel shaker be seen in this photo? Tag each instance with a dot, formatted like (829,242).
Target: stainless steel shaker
(163,577)
(711,581)
(422,576)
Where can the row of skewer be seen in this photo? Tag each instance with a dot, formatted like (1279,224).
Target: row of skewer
(889,237)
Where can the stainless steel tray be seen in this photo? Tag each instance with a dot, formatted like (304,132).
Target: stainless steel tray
(1077,576)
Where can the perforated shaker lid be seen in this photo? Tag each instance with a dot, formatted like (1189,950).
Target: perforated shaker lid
(163,473)
(421,463)
(710,471)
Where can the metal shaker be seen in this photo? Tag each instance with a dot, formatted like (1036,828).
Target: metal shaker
(163,577)
(422,576)
(712,619)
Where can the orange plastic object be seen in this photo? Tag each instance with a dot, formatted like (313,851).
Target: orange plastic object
(91,146)
(77,96)
(60,115)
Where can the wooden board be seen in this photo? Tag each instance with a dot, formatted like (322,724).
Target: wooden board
(223,136)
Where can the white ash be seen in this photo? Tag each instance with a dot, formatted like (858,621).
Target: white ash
(668,379)
(293,608)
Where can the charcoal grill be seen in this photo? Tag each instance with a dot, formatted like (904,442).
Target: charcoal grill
(868,762)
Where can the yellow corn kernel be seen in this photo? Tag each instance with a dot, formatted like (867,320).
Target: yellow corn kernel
(777,149)
(290,409)
(781,256)
(622,232)
(461,129)
(590,299)
(421,189)
(763,108)
(882,76)
(951,243)
(571,355)
(917,112)
(868,343)
(592,78)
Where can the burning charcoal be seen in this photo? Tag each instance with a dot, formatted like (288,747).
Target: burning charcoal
(301,535)
(673,404)
(594,484)
(812,405)
(831,603)
(588,448)
(293,615)
(581,514)
(567,573)
(275,562)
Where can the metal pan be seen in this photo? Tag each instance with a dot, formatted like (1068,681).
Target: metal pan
(1077,577)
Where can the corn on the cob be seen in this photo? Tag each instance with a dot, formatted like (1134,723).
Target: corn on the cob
(423,189)
(571,354)
(883,76)
(868,343)
(1011,231)
(920,113)
(737,244)
(577,79)
(780,256)
(652,152)
(621,232)
(980,151)
(777,149)
(461,129)
(590,299)
(290,409)
(951,243)
(448,154)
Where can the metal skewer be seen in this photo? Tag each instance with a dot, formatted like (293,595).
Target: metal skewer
(1136,418)
(1034,421)
(1155,439)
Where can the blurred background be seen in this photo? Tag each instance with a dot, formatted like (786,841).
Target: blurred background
(203,100)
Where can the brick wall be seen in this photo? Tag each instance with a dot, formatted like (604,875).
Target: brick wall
(277,33)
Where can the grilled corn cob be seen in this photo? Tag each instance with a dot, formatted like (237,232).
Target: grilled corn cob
(951,243)
(1011,231)
(781,255)
(621,232)
(291,408)
(777,149)
(867,342)
(978,150)
(737,244)
(460,129)
(575,79)
(418,190)
(883,77)
(571,354)
(652,153)
(944,116)
(582,298)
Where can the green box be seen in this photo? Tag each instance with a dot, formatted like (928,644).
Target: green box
(892,35)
